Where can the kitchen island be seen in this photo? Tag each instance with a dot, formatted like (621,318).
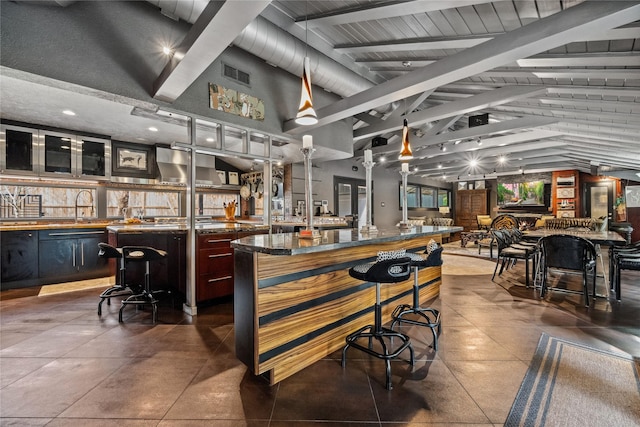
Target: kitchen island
(294,300)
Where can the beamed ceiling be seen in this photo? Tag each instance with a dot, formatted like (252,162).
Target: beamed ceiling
(559,79)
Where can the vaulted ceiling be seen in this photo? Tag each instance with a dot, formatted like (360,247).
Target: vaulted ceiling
(559,79)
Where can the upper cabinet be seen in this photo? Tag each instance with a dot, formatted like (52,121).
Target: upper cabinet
(18,150)
(29,151)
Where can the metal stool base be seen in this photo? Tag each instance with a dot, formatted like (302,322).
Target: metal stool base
(431,320)
(379,333)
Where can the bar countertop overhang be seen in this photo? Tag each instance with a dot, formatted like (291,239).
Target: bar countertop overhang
(291,244)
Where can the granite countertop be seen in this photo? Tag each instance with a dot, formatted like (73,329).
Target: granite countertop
(33,225)
(208,227)
(120,227)
(292,244)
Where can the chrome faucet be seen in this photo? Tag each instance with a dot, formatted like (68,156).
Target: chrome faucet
(84,206)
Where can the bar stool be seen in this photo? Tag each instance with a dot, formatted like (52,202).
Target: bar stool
(146,296)
(429,317)
(119,289)
(385,270)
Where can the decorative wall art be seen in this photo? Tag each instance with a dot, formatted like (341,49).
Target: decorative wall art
(234,102)
(133,160)
(233,178)
(223,176)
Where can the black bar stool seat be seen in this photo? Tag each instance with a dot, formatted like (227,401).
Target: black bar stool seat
(384,271)
(119,289)
(427,316)
(146,295)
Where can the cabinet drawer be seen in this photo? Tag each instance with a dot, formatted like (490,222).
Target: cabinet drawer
(215,240)
(213,287)
(215,261)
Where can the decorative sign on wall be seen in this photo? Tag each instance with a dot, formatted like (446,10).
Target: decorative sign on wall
(234,102)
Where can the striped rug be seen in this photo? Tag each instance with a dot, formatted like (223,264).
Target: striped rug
(572,385)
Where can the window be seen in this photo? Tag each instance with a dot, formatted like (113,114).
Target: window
(141,203)
(212,204)
(21,201)
(424,196)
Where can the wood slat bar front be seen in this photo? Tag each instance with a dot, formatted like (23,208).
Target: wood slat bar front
(291,310)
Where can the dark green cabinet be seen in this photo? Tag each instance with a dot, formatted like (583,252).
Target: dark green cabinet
(19,259)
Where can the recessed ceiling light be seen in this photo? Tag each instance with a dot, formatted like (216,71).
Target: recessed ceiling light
(153,129)
(383,159)
(166,50)
(68,112)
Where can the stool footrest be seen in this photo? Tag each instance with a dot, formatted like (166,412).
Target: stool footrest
(379,333)
(429,317)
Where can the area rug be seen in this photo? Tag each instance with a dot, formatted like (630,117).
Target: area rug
(568,384)
(463,265)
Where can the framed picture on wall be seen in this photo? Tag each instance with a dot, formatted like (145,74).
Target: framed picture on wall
(462,185)
(134,160)
(479,185)
(223,176)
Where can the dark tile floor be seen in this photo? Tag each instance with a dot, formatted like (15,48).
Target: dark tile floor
(63,365)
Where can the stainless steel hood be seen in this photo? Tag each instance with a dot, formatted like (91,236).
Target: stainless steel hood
(173,167)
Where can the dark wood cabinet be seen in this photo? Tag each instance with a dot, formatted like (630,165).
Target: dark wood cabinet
(469,204)
(168,273)
(65,255)
(214,265)
(19,259)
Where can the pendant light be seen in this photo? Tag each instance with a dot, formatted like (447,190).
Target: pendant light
(406,153)
(306,114)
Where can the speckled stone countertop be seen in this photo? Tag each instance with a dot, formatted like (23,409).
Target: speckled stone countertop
(292,244)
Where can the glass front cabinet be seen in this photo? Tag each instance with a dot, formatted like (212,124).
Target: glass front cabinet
(26,151)
(18,150)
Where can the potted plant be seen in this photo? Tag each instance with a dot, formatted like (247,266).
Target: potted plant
(621,208)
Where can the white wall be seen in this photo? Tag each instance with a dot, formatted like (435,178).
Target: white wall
(386,183)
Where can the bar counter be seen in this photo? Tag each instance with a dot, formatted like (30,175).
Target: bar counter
(295,302)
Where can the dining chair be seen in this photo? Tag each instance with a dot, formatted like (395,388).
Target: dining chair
(498,223)
(509,252)
(622,258)
(568,252)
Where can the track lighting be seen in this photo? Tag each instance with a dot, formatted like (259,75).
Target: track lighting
(443,148)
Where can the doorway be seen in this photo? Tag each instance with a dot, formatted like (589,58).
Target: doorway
(350,199)
(599,200)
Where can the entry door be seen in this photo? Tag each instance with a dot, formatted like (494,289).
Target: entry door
(350,197)
(599,200)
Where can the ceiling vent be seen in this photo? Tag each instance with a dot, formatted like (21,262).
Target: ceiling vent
(235,74)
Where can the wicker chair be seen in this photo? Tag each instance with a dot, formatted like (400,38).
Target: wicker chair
(500,222)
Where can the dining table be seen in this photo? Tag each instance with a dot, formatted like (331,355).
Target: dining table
(598,238)
(604,238)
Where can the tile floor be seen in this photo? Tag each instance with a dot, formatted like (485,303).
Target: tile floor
(63,365)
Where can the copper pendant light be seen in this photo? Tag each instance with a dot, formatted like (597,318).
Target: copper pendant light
(405,153)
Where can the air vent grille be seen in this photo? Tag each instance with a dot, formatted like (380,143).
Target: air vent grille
(235,74)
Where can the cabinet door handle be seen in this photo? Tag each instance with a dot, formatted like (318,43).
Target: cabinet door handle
(218,279)
(82,254)
(73,254)
(76,234)
(218,240)
(220,255)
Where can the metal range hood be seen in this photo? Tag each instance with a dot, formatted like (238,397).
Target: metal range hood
(173,167)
